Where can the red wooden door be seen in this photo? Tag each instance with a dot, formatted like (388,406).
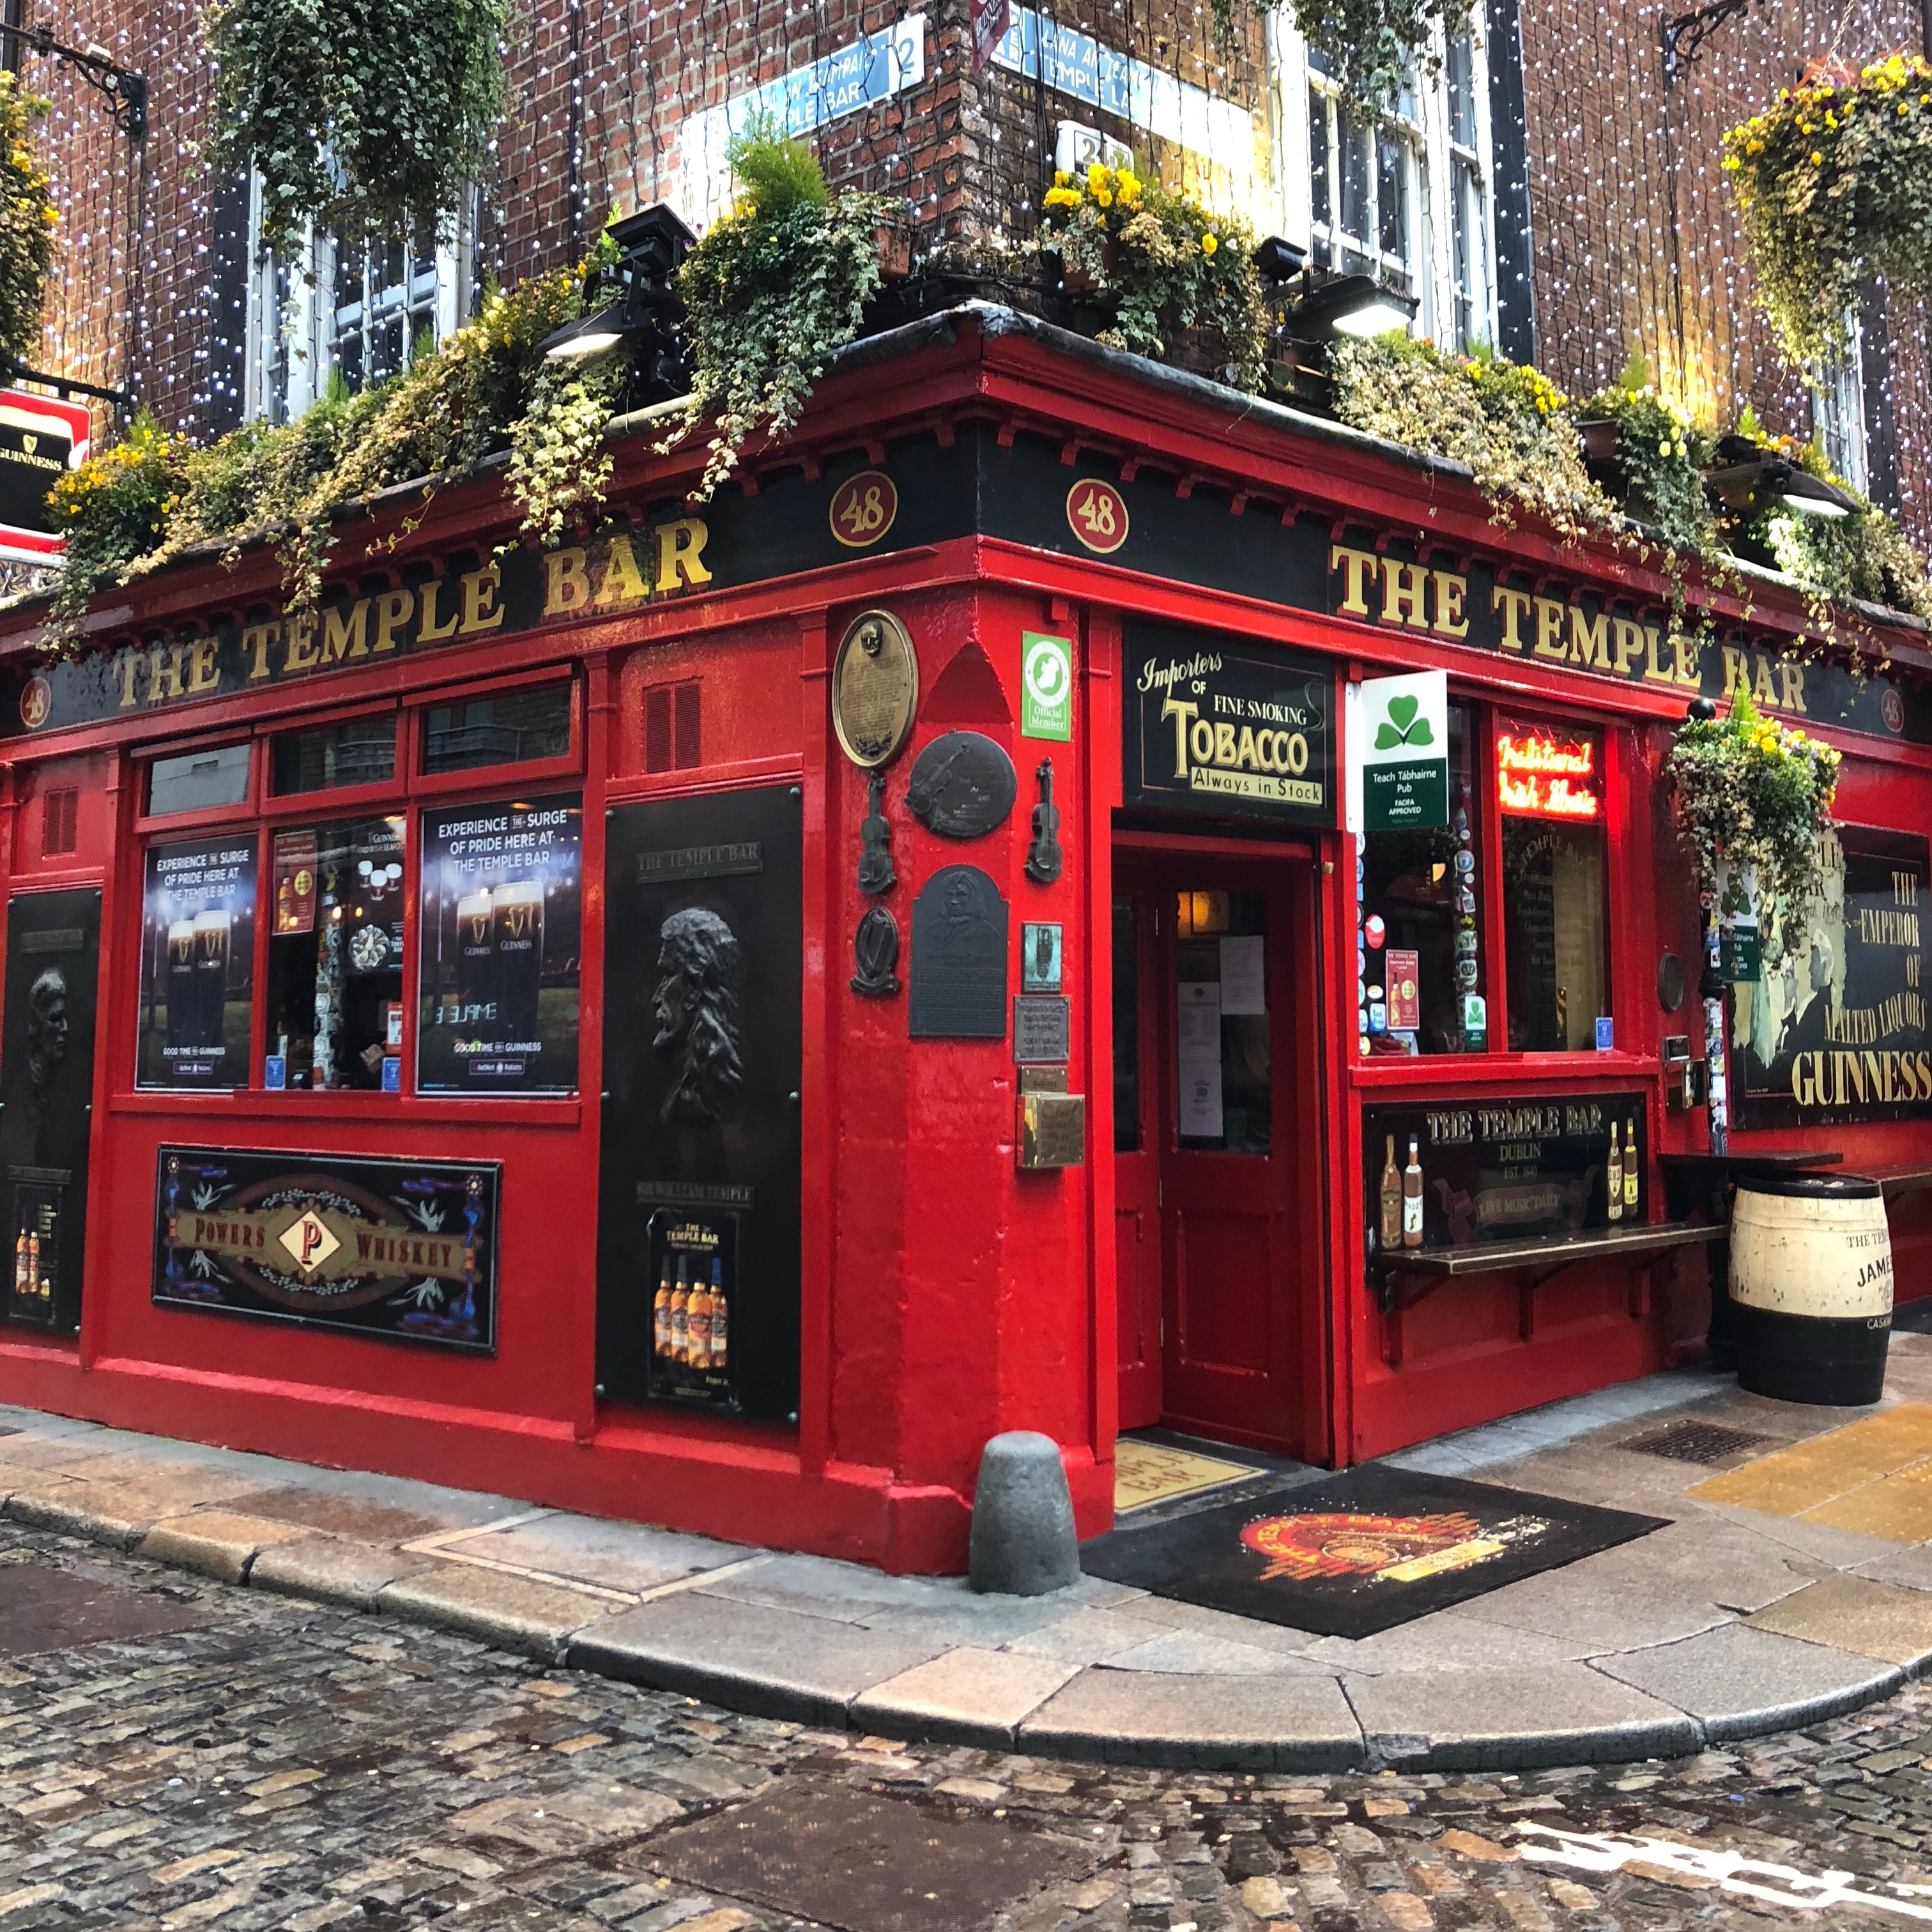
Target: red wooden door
(1241,1256)
(1138,1090)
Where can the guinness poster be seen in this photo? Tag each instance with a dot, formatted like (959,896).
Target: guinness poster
(697,1239)
(197,962)
(404,1249)
(502,939)
(1834,1026)
(1213,727)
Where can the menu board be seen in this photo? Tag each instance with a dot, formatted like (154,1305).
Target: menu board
(1507,1169)
(1834,1025)
(502,937)
(197,963)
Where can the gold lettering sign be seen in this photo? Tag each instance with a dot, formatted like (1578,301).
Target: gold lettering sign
(874,688)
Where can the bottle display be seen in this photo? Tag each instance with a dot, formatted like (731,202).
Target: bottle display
(20,1263)
(1390,1225)
(697,1326)
(660,1311)
(720,1326)
(1632,1173)
(680,1313)
(1613,1185)
(1412,1198)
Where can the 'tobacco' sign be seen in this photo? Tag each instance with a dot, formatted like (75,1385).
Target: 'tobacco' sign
(1210,726)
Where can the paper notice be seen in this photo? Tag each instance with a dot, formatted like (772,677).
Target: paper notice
(1244,974)
(1201,1099)
(1200,1002)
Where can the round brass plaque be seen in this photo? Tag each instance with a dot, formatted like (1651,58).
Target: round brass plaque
(874,688)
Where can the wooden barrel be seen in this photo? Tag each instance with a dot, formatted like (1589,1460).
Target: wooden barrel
(1811,1287)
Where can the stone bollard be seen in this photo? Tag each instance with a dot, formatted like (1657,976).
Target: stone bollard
(1023,1542)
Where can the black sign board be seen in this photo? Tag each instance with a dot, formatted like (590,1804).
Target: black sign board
(47,1084)
(704,974)
(962,785)
(1506,1169)
(502,939)
(1834,1027)
(1212,726)
(1042,1030)
(197,962)
(958,958)
(401,1249)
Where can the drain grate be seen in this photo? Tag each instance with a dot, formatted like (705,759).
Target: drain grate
(842,1857)
(1695,1442)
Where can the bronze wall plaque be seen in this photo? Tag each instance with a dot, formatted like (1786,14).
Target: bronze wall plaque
(1052,1130)
(962,785)
(958,958)
(874,688)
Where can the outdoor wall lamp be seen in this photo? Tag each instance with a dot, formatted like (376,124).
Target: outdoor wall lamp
(650,244)
(1356,305)
(1752,479)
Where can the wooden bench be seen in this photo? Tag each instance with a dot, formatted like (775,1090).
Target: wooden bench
(1907,1178)
(1533,1261)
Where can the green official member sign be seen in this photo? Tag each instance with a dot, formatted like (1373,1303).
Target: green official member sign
(1404,750)
(1046,687)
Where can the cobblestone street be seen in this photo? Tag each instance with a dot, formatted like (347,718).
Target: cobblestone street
(277,1764)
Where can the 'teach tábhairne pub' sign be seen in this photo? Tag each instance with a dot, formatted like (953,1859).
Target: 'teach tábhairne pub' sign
(621,570)
(1211,728)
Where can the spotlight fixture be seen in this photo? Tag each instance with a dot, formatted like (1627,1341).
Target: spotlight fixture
(1280,259)
(644,310)
(1356,305)
(1751,478)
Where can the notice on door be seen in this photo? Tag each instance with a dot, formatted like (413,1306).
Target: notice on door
(1198,1034)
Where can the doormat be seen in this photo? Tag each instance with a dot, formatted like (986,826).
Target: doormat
(1146,1473)
(837,1857)
(1359,1552)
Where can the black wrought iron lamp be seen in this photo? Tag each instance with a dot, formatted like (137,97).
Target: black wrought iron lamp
(644,311)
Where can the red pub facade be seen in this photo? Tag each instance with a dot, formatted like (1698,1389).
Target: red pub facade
(708,1024)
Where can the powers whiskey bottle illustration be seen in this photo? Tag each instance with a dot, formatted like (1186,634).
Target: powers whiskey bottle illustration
(1412,1198)
(1613,1185)
(1632,1178)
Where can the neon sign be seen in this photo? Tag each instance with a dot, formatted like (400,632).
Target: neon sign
(1540,775)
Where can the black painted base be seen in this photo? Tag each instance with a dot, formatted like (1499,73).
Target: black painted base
(1807,1358)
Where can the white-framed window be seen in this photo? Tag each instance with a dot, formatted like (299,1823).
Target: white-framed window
(1409,198)
(365,308)
(1838,408)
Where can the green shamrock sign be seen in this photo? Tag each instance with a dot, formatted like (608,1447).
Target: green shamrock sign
(1404,752)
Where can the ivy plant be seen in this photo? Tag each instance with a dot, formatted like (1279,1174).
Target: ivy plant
(363,116)
(1370,48)
(771,293)
(28,220)
(1834,181)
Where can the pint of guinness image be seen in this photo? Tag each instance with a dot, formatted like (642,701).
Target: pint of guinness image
(518,912)
(476,994)
(180,983)
(210,975)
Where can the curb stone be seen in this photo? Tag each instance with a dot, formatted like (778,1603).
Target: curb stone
(587,1646)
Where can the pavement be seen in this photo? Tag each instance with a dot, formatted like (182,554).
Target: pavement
(180,1754)
(1793,1583)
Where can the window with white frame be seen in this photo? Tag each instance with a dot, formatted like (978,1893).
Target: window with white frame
(1406,196)
(1838,407)
(364,309)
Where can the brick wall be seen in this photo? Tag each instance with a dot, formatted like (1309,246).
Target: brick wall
(1636,245)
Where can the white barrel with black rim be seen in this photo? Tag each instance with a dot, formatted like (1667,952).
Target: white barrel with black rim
(1811,1287)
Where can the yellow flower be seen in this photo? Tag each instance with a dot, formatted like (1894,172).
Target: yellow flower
(1816,158)
(1096,177)
(1103,197)
(1208,245)
(1060,177)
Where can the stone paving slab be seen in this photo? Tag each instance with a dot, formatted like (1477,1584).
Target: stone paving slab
(1732,1622)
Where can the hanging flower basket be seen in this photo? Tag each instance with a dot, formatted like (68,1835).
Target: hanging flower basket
(1754,802)
(27,222)
(1834,183)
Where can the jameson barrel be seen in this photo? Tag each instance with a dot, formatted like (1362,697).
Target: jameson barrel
(1811,1287)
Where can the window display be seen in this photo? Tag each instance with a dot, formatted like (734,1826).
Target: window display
(1549,782)
(197,963)
(1418,951)
(335,958)
(501,917)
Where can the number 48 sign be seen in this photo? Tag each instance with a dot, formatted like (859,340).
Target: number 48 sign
(1097,514)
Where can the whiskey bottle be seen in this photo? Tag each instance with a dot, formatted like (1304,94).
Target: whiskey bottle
(1613,1185)
(1391,1203)
(20,1263)
(680,1306)
(1411,1199)
(661,1312)
(1632,1174)
(720,1320)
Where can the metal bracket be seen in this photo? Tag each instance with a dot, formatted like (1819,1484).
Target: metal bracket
(1684,35)
(124,91)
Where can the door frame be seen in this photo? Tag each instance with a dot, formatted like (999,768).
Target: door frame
(1135,850)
